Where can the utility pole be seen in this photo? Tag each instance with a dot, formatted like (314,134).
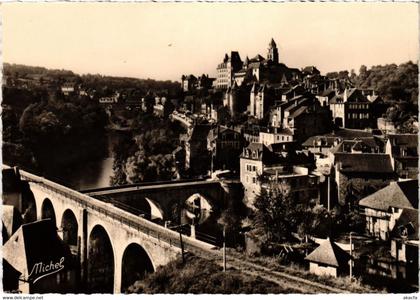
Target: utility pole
(328,191)
(182,247)
(351,257)
(224,248)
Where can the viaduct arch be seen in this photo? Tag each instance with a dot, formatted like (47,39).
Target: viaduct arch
(47,210)
(136,263)
(70,227)
(86,223)
(100,261)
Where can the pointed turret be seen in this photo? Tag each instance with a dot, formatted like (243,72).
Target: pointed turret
(272,43)
(273,53)
(225,60)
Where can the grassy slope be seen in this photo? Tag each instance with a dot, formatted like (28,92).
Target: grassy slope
(200,276)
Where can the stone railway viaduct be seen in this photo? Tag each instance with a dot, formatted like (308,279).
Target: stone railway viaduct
(164,200)
(105,236)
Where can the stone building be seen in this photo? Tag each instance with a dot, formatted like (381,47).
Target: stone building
(275,135)
(355,172)
(236,99)
(321,145)
(405,237)
(205,82)
(188,83)
(403,149)
(269,167)
(257,69)
(225,146)
(273,52)
(251,133)
(261,98)
(253,160)
(197,158)
(324,97)
(328,259)
(359,145)
(226,70)
(297,181)
(383,208)
(304,116)
(352,109)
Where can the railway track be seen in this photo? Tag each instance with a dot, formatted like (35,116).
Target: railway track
(283,279)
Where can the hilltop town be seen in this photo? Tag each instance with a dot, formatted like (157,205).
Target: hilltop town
(320,171)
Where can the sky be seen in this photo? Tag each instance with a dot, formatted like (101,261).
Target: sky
(165,40)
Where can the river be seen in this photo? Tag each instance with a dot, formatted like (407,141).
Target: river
(95,173)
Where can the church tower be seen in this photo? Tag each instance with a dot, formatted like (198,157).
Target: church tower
(273,53)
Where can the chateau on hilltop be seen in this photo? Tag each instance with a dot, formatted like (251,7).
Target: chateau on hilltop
(255,70)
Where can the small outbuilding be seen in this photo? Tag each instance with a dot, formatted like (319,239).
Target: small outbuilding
(328,259)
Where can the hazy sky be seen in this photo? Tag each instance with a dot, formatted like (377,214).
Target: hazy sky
(166,40)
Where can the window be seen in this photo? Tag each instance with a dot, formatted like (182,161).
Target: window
(251,168)
(254,180)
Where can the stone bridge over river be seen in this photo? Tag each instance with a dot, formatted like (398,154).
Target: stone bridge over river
(113,244)
(165,200)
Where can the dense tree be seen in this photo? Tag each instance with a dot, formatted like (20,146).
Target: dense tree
(276,215)
(391,81)
(56,119)
(148,155)
(49,132)
(10,124)
(316,221)
(338,75)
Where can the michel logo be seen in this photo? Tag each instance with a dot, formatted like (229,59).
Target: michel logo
(41,270)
